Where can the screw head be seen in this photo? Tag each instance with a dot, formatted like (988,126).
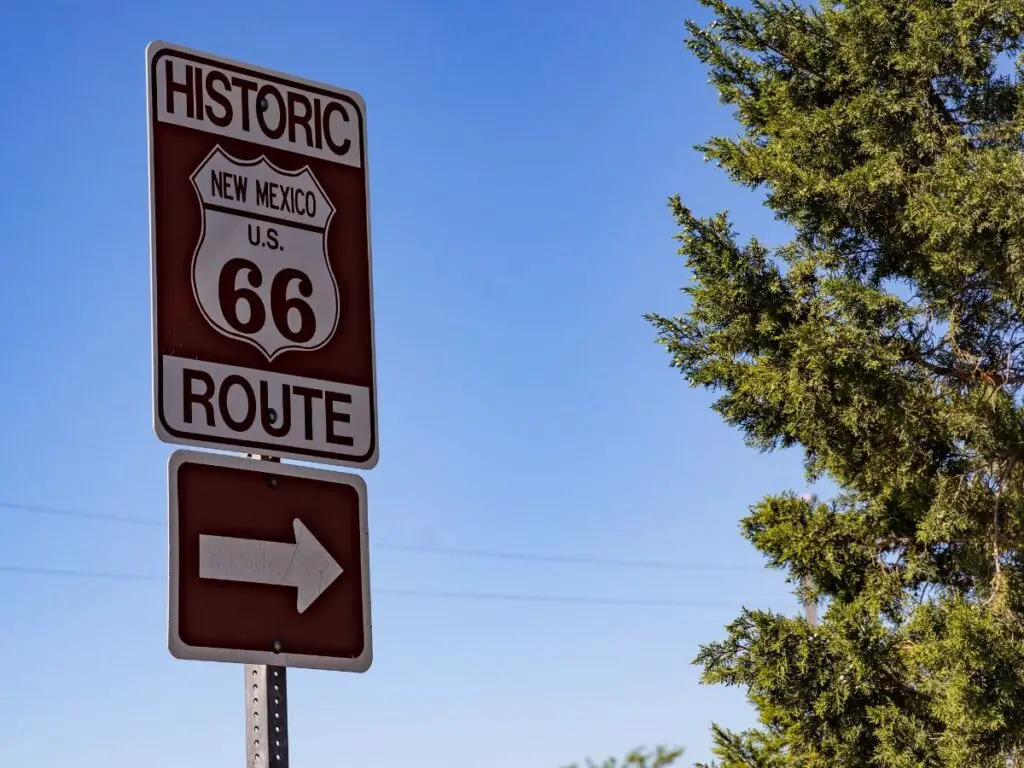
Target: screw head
(271,415)
(277,646)
(262,104)
(272,481)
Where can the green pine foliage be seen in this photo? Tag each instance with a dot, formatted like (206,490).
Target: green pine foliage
(750,749)
(661,757)
(885,341)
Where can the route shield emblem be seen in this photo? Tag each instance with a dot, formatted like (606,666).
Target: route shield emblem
(260,272)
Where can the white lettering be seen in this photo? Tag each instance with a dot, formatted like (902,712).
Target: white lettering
(239,104)
(223,402)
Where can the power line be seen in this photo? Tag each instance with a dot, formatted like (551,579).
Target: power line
(70,573)
(421,593)
(638,602)
(425,548)
(55,511)
(568,559)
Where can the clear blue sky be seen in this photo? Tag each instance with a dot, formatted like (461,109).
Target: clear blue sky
(521,154)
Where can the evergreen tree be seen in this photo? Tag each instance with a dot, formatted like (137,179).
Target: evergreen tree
(750,749)
(661,757)
(886,342)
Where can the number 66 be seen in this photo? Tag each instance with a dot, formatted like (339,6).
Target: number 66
(230,295)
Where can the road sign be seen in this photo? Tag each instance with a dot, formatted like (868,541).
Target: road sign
(261,269)
(268,564)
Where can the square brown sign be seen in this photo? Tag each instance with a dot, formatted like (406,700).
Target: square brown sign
(261,268)
(269,564)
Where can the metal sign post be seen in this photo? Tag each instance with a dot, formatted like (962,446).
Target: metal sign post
(266,708)
(266,716)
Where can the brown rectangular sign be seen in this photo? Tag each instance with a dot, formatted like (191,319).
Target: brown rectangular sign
(269,564)
(261,270)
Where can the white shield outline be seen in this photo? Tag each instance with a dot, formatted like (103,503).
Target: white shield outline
(227,331)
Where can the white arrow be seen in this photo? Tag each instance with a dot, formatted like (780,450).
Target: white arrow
(305,564)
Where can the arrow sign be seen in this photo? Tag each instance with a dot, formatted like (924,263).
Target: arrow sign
(305,565)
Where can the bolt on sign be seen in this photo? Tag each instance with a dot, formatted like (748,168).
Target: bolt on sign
(261,270)
(269,564)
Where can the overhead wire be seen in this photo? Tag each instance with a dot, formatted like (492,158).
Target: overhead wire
(429,593)
(424,548)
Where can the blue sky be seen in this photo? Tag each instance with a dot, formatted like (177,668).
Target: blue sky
(521,154)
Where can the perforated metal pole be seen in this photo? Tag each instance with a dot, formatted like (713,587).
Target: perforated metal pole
(266,716)
(266,710)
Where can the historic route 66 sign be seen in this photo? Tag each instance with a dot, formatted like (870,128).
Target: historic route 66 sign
(261,269)
(261,272)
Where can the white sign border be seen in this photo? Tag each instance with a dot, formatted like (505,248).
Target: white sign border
(181,650)
(153,51)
